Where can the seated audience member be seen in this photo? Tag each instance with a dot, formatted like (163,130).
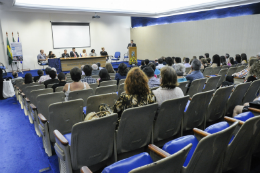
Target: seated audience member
(146,62)
(92,53)
(169,86)
(76,85)
(109,68)
(179,67)
(65,54)
(28,78)
(238,59)
(73,53)
(156,71)
(42,59)
(201,57)
(254,72)
(160,65)
(194,57)
(88,72)
(243,73)
(243,58)
(46,77)
(62,81)
(122,72)
(104,53)
(142,64)
(82,72)
(195,73)
(156,62)
(204,63)
(206,55)
(244,108)
(15,75)
(153,81)
(40,74)
(223,61)
(99,66)
(53,79)
(164,62)
(187,64)
(104,76)
(227,57)
(169,61)
(84,53)
(231,61)
(209,61)
(95,70)
(216,61)
(51,55)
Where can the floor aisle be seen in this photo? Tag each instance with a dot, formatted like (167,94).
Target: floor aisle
(20,148)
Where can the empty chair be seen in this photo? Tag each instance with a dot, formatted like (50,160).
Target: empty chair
(106,89)
(59,89)
(236,97)
(222,73)
(212,83)
(134,130)
(187,70)
(196,86)
(81,94)
(143,163)
(231,71)
(169,119)
(195,114)
(207,71)
(184,86)
(117,56)
(215,70)
(94,101)
(110,82)
(121,89)
(251,92)
(93,86)
(89,144)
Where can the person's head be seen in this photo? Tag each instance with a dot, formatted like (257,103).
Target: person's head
(41,51)
(149,72)
(54,69)
(61,76)
(168,78)
(195,65)
(258,55)
(156,60)
(151,64)
(47,70)
(183,59)
(98,64)
(231,60)
(142,63)
(243,57)
(28,78)
(252,61)
(84,50)
(102,48)
(132,41)
(50,53)
(207,55)
(87,70)
(136,82)
(200,57)
(103,74)
(169,61)
(204,61)
(73,49)
(255,69)
(94,67)
(177,60)
(75,74)
(65,51)
(160,60)
(15,74)
(40,72)
(146,61)
(238,58)
(122,69)
(216,59)
(194,57)
(109,68)
(53,74)
(92,50)
(223,60)
(187,60)
(227,55)
(209,60)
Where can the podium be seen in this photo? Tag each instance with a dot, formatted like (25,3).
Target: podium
(132,55)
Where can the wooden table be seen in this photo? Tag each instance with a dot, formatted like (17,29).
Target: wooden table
(68,63)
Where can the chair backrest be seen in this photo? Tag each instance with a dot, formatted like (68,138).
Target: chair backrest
(222,73)
(110,82)
(19,82)
(212,83)
(50,85)
(45,100)
(92,141)
(81,94)
(184,86)
(112,74)
(187,70)
(121,81)
(215,70)
(93,86)
(240,68)
(28,90)
(59,89)
(169,118)
(225,67)
(154,88)
(95,76)
(117,55)
(196,86)
(196,112)
(121,89)
(218,103)
(236,97)
(106,89)
(63,115)
(135,128)
(207,71)
(93,102)
(231,71)
(252,91)
(35,93)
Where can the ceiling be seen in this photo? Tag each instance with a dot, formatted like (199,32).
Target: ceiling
(138,8)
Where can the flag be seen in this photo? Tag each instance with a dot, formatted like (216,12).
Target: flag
(9,52)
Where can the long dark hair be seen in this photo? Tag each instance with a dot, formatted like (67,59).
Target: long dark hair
(103,74)
(50,53)
(231,60)
(122,69)
(216,59)
(28,78)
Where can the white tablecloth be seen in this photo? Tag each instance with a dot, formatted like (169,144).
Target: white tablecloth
(8,89)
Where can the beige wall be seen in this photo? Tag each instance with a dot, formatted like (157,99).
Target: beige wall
(228,35)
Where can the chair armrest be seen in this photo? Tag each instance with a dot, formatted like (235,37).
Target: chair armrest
(42,118)
(33,106)
(27,99)
(200,132)
(158,151)
(254,110)
(23,94)
(207,76)
(235,77)
(232,120)
(190,98)
(216,74)
(60,137)
(85,169)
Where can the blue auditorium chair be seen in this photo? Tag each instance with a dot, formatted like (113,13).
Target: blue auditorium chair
(116,57)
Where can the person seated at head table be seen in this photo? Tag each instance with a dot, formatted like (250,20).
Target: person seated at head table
(153,81)
(73,53)
(84,53)
(65,54)
(109,68)
(28,78)
(42,58)
(51,55)
(15,75)
(62,81)
(92,53)
(95,70)
(88,72)
(104,53)
(53,79)
(76,85)
(122,72)
(40,74)
(104,76)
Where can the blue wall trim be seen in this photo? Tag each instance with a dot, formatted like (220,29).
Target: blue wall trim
(204,15)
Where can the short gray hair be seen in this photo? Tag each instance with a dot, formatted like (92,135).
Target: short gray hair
(196,64)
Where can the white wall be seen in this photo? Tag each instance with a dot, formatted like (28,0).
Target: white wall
(217,36)
(112,32)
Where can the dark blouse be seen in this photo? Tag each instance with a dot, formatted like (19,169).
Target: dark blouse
(103,53)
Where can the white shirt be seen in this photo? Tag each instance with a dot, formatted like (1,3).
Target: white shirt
(159,66)
(44,78)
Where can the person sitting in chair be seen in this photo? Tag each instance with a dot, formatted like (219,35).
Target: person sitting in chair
(36,78)
(92,53)
(62,79)
(42,59)
(104,53)
(15,75)
(65,54)
(53,79)
(73,53)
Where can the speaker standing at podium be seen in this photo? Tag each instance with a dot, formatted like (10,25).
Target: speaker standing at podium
(132,44)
